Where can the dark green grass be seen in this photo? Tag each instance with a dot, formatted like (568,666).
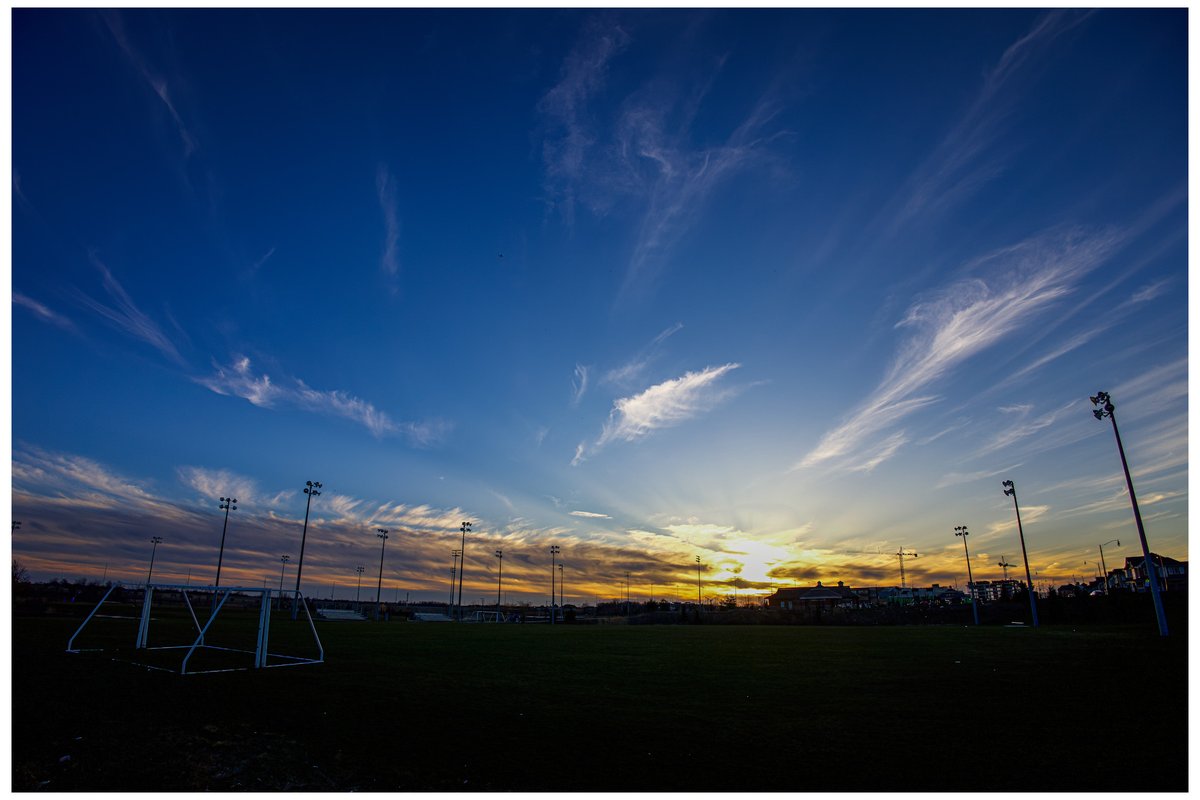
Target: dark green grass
(406,706)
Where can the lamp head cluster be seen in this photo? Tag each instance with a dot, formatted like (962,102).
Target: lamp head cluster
(382,533)
(285,559)
(360,569)
(555,549)
(960,530)
(466,526)
(228,503)
(311,487)
(1103,403)
(156,539)
(499,554)
(1009,489)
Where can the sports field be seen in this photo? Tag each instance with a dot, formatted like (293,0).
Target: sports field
(411,706)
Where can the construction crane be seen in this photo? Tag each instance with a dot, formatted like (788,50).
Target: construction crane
(901,555)
(1005,565)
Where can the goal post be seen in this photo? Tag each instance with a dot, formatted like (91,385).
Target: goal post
(202,640)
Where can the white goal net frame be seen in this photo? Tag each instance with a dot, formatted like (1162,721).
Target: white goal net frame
(220,595)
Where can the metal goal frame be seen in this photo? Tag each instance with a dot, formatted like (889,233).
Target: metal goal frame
(261,652)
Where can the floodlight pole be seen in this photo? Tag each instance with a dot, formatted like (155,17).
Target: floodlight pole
(698,567)
(961,530)
(499,578)
(1010,489)
(554,551)
(1104,408)
(561,601)
(453,573)
(156,540)
(382,533)
(1103,565)
(311,488)
(227,503)
(358,590)
(283,560)
(462,554)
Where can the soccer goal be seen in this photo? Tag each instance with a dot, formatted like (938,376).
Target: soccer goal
(202,637)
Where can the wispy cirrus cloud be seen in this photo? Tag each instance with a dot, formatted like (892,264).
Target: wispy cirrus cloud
(42,312)
(579,384)
(239,380)
(116,27)
(570,138)
(590,515)
(212,484)
(954,324)
(385,187)
(600,152)
(661,406)
(633,370)
(965,159)
(126,316)
(1025,426)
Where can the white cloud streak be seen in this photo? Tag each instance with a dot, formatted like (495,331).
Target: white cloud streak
(590,515)
(42,312)
(126,316)
(579,384)
(385,186)
(661,406)
(955,324)
(633,369)
(239,380)
(117,28)
(959,166)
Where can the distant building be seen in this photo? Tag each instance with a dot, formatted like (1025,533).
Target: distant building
(843,596)
(1172,574)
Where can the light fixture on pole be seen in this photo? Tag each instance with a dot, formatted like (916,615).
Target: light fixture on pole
(462,565)
(382,533)
(227,504)
(1011,491)
(1103,565)
(16,525)
(1104,408)
(554,551)
(360,569)
(283,560)
(311,489)
(961,530)
(156,541)
(499,578)
(698,567)
(561,601)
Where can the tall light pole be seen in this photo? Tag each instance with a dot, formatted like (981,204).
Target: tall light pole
(961,530)
(283,560)
(499,578)
(1103,565)
(1011,490)
(227,503)
(360,569)
(462,565)
(156,540)
(554,551)
(311,488)
(698,567)
(453,572)
(1104,408)
(561,601)
(382,533)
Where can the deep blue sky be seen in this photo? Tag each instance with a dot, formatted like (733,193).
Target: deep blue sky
(786,289)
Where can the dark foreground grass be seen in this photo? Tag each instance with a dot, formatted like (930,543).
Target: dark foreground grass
(409,706)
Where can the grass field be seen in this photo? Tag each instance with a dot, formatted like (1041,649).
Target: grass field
(410,706)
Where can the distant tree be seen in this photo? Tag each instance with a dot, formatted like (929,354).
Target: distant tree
(19,573)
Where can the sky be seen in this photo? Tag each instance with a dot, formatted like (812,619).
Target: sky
(789,291)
